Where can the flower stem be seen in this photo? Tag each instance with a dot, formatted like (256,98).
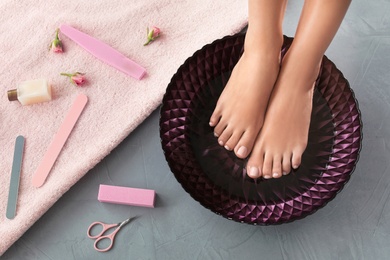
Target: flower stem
(149,41)
(57,38)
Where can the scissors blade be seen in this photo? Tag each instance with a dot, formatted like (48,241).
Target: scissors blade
(125,222)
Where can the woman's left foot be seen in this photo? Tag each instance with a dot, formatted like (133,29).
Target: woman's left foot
(283,138)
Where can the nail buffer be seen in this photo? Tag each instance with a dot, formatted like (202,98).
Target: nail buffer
(15,177)
(58,141)
(104,52)
(126,196)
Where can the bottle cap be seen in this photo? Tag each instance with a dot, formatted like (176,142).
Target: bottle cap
(12,94)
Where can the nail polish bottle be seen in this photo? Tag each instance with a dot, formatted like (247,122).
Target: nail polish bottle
(31,92)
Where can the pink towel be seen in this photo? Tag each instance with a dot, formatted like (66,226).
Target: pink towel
(117,103)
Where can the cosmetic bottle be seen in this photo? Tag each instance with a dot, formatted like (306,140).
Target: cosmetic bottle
(31,92)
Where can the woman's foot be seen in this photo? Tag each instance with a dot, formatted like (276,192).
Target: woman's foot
(283,138)
(239,113)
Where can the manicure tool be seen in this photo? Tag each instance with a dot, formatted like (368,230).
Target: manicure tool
(126,196)
(110,237)
(58,141)
(104,52)
(15,177)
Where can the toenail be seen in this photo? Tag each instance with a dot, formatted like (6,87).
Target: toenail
(254,172)
(275,175)
(220,143)
(284,173)
(215,134)
(242,151)
(211,124)
(295,166)
(227,147)
(267,177)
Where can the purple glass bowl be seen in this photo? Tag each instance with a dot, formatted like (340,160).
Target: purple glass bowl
(217,179)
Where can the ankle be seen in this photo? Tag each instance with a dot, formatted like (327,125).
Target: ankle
(264,44)
(305,58)
(263,53)
(300,61)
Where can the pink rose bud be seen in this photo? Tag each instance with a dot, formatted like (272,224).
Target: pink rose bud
(155,32)
(152,34)
(56,44)
(77,78)
(56,48)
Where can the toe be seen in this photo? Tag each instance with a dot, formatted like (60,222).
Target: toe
(296,158)
(254,172)
(286,164)
(224,137)
(267,166)
(244,146)
(255,164)
(233,140)
(219,128)
(215,117)
(277,167)
(241,152)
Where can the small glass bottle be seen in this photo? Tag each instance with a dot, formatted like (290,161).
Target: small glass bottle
(31,92)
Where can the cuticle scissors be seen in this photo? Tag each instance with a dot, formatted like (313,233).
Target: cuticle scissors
(111,236)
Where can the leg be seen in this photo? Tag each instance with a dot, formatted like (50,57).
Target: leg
(239,113)
(284,135)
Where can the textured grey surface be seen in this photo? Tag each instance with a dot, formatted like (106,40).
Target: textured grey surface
(355,225)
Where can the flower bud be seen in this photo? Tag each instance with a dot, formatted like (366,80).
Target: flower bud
(56,44)
(152,34)
(77,78)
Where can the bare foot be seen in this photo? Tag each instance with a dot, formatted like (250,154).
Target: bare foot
(239,113)
(283,138)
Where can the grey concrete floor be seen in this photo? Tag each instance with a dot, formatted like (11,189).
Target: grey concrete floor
(355,225)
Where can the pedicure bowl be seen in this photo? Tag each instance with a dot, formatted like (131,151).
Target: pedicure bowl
(217,179)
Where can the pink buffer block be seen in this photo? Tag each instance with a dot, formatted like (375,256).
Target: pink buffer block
(126,196)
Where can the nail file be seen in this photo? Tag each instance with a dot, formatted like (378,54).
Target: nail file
(126,196)
(104,52)
(59,140)
(15,177)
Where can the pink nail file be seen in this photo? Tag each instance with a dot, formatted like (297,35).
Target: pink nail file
(58,141)
(104,52)
(126,196)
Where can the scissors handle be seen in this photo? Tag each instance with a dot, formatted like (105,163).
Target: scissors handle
(109,237)
(105,227)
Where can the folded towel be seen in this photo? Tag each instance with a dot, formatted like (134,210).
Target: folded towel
(117,102)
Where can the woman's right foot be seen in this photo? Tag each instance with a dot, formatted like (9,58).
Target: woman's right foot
(239,113)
